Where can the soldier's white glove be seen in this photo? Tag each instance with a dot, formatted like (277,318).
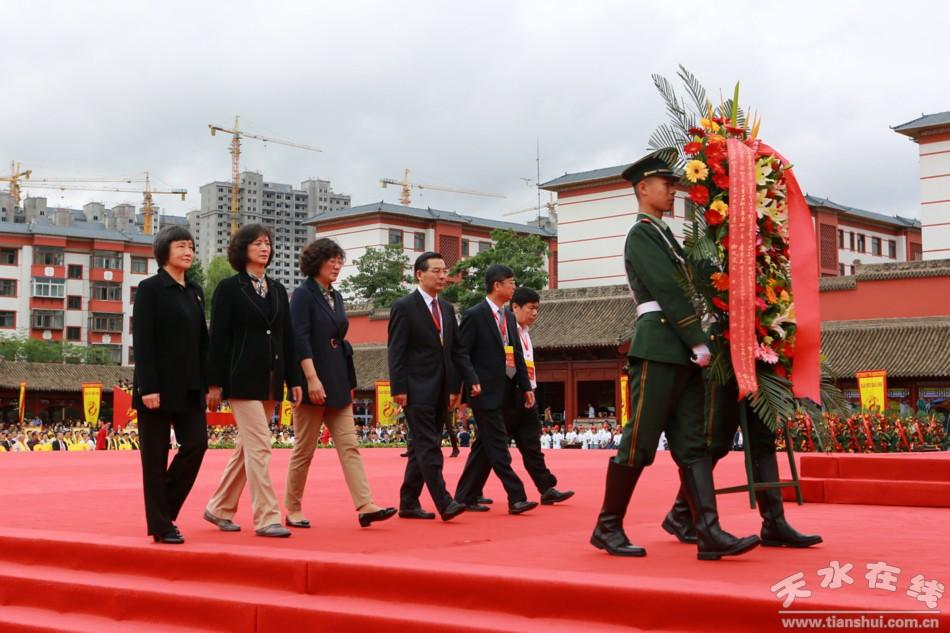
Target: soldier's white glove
(701,355)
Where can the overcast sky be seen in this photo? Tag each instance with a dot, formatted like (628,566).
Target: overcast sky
(458,92)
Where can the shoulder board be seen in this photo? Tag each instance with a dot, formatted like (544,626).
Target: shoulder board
(646,220)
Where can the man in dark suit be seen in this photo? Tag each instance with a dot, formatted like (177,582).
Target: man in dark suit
(427,365)
(59,444)
(490,333)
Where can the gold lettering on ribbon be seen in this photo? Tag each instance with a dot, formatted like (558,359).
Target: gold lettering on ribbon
(742,231)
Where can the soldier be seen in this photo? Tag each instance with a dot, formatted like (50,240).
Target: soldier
(722,417)
(666,383)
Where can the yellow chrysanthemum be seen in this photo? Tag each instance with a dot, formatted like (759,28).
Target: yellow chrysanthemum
(709,124)
(721,207)
(696,170)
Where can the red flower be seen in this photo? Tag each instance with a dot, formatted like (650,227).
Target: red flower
(699,194)
(719,303)
(721,180)
(725,243)
(720,281)
(738,131)
(780,370)
(693,148)
(788,350)
(697,131)
(725,335)
(713,217)
(716,151)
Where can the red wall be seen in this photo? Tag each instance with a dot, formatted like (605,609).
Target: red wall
(363,331)
(888,299)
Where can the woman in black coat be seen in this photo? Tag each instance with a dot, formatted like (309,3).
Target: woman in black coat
(326,358)
(170,338)
(251,360)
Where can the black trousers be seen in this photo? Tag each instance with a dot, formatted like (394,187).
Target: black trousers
(167,486)
(524,427)
(424,466)
(490,452)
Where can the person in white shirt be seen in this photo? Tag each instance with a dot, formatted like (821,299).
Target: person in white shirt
(557,438)
(603,437)
(587,438)
(591,412)
(617,437)
(524,424)
(571,437)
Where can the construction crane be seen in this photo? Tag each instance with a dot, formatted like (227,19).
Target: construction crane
(407,186)
(550,205)
(236,135)
(14,180)
(76,184)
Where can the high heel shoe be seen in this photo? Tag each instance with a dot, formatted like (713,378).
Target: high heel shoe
(366,518)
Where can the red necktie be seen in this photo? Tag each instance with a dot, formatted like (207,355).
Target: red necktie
(436,315)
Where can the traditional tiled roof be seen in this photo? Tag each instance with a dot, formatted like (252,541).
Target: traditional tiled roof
(604,174)
(90,230)
(892,220)
(425,214)
(601,316)
(911,128)
(888,270)
(904,348)
(58,376)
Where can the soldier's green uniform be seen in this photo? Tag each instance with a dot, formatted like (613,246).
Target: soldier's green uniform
(666,386)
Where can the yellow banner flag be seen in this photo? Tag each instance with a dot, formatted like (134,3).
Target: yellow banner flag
(91,399)
(872,386)
(386,408)
(624,398)
(22,401)
(286,410)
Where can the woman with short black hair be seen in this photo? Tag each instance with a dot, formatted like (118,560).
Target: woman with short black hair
(326,358)
(170,338)
(251,361)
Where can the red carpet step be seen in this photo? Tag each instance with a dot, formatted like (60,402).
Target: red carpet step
(900,479)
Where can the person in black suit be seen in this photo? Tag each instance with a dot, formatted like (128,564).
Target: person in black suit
(251,360)
(427,365)
(59,444)
(170,337)
(490,333)
(326,358)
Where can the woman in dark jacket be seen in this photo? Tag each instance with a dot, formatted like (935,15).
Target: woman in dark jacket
(170,338)
(252,358)
(326,357)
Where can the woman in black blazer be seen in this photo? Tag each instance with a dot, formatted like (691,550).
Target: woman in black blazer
(326,358)
(170,338)
(251,359)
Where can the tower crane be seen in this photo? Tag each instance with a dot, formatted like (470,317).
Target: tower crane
(407,186)
(14,180)
(101,184)
(236,135)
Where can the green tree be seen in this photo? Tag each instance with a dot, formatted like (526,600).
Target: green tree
(24,348)
(380,278)
(525,254)
(196,273)
(219,268)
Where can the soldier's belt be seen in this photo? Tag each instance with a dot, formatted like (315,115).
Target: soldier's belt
(648,306)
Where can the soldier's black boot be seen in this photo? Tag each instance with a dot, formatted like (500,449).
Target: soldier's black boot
(608,533)
(679,520)
(776,532)
(713,542)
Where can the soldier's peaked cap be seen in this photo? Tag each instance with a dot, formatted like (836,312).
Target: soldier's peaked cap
(658,163)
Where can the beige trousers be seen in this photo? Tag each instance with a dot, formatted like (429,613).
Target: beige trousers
(308,420)
(249,464)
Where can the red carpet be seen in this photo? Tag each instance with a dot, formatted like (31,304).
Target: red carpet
(891,479)
(74,557)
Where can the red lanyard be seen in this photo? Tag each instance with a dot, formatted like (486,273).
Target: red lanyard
(525,341)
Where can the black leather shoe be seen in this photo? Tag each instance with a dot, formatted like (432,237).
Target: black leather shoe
(474,507)
(416,513)
(520,507)
(225,525)
(453,510)
(455,452)
(302,523)
(171,537)
(553,495)
(366,518)
(484,501)
(404,454)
